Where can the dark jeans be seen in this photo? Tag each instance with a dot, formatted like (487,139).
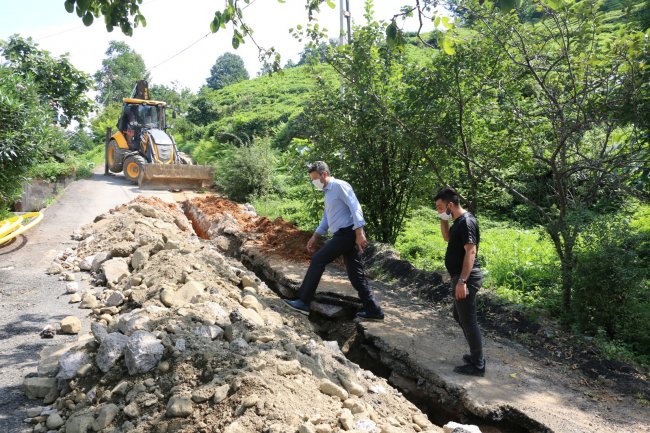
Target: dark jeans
(342,244)
(465,315)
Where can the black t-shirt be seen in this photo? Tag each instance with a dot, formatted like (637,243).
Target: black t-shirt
(464,231)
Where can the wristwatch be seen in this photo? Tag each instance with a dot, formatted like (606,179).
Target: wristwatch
(462,280)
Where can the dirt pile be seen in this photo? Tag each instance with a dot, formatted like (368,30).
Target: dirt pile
(185,339)
(279,237)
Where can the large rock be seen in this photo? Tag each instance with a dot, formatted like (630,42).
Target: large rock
(98,331)
(250,301)
(48,364)
(88,301)
(87,263)
(71,325)
(140,257)
(191,291)
(249,316)
(38,387)
(70,362)
(54,421)
(143,352)
(71,287)
(79,422)
(115,270)
(179,407)
(116,298)
(329,388)
(460,428)
(136,320)
(105,416)
(98,260)
(110,350)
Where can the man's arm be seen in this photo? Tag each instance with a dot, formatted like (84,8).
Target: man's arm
(444,229)
(350,199)
(468,265)
(320,231)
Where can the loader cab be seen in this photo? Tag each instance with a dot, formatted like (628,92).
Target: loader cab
(138,115)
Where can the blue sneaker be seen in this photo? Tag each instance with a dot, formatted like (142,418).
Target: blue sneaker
(365,315)
(298,305)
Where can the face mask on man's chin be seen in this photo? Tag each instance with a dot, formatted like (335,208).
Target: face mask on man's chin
(318,184)
(446,215)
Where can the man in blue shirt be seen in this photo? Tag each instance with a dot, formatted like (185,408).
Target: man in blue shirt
(343,218)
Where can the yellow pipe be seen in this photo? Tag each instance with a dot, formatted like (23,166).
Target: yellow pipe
(36,218)
(10,225)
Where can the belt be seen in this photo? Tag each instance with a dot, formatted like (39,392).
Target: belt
(343,230)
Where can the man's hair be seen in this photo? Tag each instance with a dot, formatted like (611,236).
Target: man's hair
(319,166)
(448,194)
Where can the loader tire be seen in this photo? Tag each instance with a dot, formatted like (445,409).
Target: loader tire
(133,167)
(114,159)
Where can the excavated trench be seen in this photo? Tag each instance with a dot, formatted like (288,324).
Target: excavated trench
(440,401)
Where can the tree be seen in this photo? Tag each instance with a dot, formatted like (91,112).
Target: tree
(180,98)
(350,130)
(120,70)
(228,69)
(60,85)
(25,130)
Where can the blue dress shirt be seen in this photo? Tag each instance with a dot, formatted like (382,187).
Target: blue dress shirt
(342,209)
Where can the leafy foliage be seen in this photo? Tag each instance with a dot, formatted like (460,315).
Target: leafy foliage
(228,69)
(61,86)
(24,130)
(120,70)
(124,14)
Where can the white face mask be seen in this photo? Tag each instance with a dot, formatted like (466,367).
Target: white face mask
(318,184)
(445,216)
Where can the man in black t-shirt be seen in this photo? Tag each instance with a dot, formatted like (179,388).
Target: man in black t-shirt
(461,261)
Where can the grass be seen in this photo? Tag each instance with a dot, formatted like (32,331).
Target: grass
(520,265)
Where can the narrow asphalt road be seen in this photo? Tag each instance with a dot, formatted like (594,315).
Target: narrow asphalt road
(30,299)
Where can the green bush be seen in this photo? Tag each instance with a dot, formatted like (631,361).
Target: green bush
(247,172)
(24,132)
(612,290)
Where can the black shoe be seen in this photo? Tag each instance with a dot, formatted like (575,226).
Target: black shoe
(298,305)
(470,370)
(364,315)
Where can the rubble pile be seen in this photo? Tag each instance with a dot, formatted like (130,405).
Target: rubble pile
(186,339)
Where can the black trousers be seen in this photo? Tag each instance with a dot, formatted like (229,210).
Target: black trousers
(465,315)
(343,243)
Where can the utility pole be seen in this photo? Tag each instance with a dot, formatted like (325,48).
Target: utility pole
(344,15)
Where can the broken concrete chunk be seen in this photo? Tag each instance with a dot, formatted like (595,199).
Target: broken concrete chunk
(139,258)
(70,363)
(105,417)
(38,387)
(143,352)
(115,270)
(111,349)
(99,259)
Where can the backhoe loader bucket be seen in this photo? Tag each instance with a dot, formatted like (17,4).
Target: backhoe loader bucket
(176,176)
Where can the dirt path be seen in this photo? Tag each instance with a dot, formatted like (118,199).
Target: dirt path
(29,300)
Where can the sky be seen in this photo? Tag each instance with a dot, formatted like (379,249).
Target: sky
(172,26)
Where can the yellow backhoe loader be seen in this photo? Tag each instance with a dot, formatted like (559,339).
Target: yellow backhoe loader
(145,153)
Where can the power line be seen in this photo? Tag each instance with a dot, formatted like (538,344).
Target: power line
(192,44)
(181,51)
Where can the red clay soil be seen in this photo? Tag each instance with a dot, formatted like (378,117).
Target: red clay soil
(277,236)
(282,238)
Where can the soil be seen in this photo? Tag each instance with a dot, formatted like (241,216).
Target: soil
(279,237)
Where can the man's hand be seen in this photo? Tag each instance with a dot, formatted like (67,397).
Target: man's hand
(361,241)
(311,244)
(461,291)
